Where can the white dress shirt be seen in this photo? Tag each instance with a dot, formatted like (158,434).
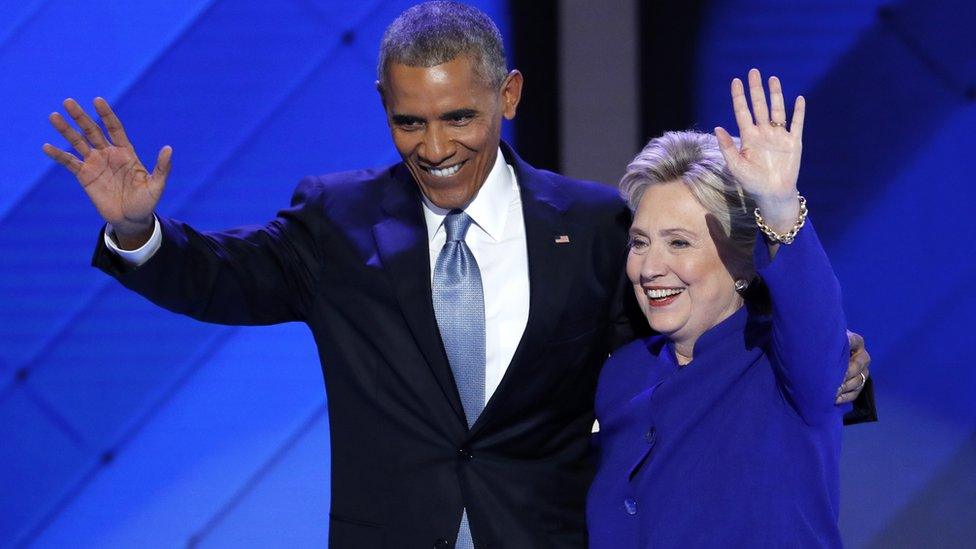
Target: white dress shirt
(497,241)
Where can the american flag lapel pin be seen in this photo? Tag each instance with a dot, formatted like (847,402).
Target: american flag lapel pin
(562,239)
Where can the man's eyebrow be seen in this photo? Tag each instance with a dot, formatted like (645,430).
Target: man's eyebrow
(459,113)
(401,119)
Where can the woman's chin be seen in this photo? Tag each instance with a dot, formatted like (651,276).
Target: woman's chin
(662,324)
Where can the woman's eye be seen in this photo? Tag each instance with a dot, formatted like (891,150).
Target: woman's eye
(637,244)
(678,243)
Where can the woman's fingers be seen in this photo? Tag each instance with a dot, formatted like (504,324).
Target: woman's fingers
(87,125)
(77,141)
(112,123)
(799,111)
(761,113)
(743,117)
(758,96)
(777,107)
(727,146)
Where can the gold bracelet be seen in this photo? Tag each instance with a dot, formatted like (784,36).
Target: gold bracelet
(791,235)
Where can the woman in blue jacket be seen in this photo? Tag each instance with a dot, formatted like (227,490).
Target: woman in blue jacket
(721,431)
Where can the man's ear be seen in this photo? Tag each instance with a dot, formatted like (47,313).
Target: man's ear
(511,93)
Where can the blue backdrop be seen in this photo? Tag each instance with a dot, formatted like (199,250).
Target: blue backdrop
(123,425)
(888,144)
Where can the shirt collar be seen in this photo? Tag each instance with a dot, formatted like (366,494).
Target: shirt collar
(488,209)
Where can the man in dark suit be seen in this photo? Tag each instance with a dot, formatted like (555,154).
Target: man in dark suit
(461,300)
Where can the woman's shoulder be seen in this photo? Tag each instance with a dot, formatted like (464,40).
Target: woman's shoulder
(634,361)
(628,371)
(639,348)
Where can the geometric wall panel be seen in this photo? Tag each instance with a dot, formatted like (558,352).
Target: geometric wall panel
(125,425)
(891,103)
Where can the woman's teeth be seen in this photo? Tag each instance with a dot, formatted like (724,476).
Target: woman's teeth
(445,172)
(662,293)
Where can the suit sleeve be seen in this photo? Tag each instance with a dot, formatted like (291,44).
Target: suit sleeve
(809,335)
(245,276)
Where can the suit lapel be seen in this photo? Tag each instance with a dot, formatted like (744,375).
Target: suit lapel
(550,273)
(402,242)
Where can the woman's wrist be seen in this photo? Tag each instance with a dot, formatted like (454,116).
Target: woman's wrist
(779,212)
(781,229)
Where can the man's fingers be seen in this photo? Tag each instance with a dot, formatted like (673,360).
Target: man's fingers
(860,359)
(855,341)
(743,117)
(112,123)
(777,107)
(854,382)
(77,141)
(87,125)
(758,96)
(857,369)
(163,163)
(851,388)
(66,159)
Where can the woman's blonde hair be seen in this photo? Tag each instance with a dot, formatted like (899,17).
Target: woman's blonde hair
(694,159)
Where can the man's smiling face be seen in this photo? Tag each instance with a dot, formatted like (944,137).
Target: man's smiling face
(446,124)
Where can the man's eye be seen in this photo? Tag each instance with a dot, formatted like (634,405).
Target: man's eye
(460,120)
(410,126)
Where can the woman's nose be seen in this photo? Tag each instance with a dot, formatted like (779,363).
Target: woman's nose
(654,264)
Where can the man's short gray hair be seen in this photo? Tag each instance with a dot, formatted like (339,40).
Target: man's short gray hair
(695,159)
(432,33)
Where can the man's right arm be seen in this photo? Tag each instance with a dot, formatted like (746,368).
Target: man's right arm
(245,276)
(257,275)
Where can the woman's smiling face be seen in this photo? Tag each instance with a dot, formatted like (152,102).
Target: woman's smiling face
(674,264)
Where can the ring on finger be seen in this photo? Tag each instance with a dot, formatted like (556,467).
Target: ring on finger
(864,380)
(776,124)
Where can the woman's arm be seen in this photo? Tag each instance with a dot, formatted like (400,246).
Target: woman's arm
(809,335)
(810,346)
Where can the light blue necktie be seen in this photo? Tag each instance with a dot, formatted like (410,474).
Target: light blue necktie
(459,304)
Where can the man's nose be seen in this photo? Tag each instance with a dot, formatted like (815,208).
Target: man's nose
(437,146)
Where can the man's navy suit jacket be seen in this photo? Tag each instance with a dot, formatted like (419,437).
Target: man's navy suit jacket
(350,258)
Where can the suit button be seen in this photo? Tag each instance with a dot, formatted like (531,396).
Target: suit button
(651,435)
(465,454)
(630,506)
(441,544)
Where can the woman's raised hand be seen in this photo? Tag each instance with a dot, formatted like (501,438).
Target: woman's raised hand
(767,162)
(122,190)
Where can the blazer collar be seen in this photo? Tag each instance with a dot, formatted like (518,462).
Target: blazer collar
(402,241)
(551,270)
(401,238)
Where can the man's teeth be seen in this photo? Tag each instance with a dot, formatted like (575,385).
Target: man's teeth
(658,294)
(446,172)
